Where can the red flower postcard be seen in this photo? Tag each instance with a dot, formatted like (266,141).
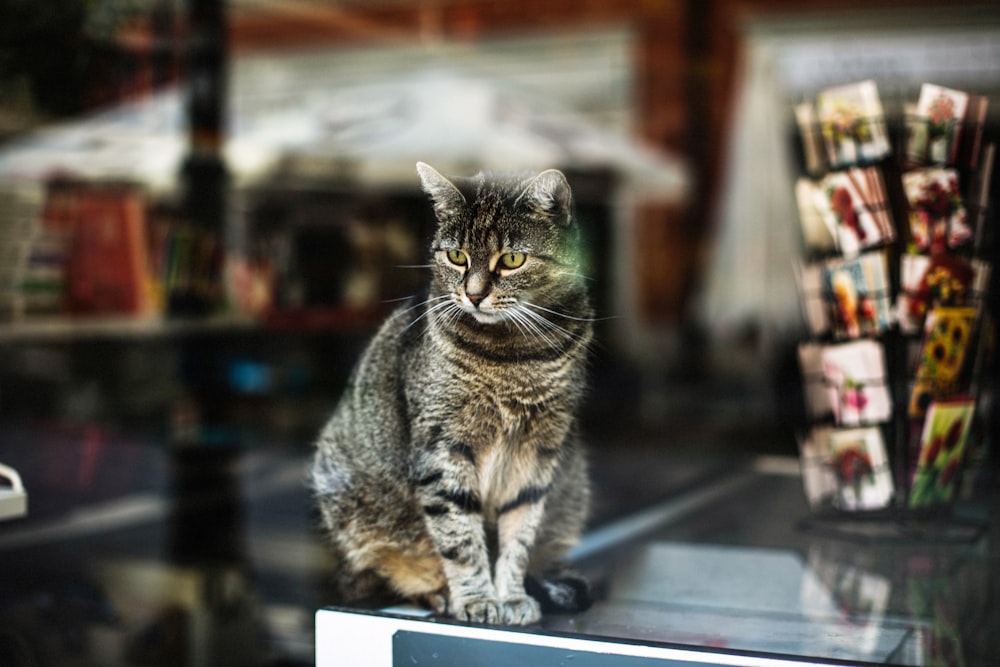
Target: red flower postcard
(934,130)
(937,215)
(847,469)
(846,211)
(942,450)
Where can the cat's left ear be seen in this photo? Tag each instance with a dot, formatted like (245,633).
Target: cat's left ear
(447,198)
(548,196)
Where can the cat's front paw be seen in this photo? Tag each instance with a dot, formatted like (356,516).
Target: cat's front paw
(521,610)
(481,609)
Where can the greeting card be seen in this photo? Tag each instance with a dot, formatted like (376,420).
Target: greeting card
(934,129)
(852,124)
(942,448)
(848,298)
(846,381)
(937,214)
(817,235)
(846,468)
(948,335)
(852,208)
(939,281)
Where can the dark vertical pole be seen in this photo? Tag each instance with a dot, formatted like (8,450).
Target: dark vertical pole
(207,523)
(162,59)
(204,176)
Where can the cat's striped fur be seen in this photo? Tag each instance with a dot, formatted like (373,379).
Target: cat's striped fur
(451,472)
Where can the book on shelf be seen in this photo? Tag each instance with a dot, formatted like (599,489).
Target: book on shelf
(107,269)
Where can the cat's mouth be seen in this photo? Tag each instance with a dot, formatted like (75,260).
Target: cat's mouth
(486,315)
(489,317)
(484,311)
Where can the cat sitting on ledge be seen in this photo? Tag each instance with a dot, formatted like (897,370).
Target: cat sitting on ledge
(451,473)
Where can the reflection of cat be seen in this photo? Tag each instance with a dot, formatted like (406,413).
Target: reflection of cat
(450,473)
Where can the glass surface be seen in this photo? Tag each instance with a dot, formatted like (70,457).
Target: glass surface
(753,571)
(211,557)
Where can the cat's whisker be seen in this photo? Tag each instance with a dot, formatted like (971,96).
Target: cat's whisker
(527,326)
(544,321)
(569,317)
(420,304)
(433,309)
(548,326)
(412,266)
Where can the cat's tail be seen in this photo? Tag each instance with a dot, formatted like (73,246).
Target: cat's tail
(563,591)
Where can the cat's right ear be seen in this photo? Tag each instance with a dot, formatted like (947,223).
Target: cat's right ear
(447,198)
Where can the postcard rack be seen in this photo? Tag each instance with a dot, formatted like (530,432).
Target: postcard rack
(897,240)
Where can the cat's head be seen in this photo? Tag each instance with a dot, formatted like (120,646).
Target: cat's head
(504,243)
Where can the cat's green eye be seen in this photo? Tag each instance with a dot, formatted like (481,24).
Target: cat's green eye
(457,257)
(512,260)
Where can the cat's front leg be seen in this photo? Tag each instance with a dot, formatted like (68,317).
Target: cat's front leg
(517,526)
(454,520)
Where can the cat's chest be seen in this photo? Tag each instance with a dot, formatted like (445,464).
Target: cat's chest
(502,470)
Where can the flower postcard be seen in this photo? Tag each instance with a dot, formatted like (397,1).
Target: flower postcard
(853,208)
(942,280)
(948,336)
(934,129)
(937,215)
(848,298)
(942,449)
(846,468)
(846,381)
(852,124)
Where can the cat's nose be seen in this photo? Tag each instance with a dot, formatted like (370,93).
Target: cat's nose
(476,299)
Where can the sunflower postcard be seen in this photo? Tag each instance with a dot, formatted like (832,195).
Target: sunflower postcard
(948,336)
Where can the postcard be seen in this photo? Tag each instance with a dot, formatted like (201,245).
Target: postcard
(937,215)
(846,381)
(942,450)
(948,336)
(848,298)
(934,129)
(940,281)
(846,468)
(854,210)
(853,124)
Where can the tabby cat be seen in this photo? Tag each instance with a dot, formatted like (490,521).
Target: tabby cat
(450,473)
